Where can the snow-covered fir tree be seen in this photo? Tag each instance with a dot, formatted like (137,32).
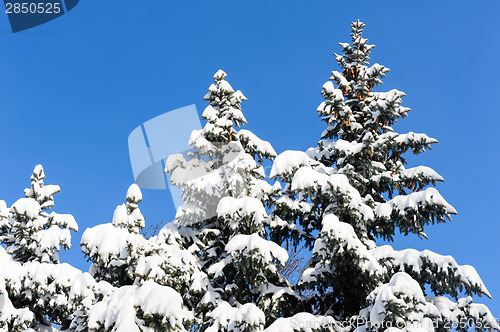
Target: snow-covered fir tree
(35,289)
(31,233)
(114,248)
(224,220)
(145,273)
(353,188)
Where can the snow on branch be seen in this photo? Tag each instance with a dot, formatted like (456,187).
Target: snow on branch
(250,245)
(134,309)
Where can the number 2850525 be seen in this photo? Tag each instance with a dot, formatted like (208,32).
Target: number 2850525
(32,8)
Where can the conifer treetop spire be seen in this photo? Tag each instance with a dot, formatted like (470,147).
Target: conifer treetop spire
(220,75)
(134,194)
(38,173)
(359,53)
(129,215)
(224,110)
(40,192)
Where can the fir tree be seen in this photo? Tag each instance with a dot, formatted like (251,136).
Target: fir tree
(224,218)
(354,188)
(115,248)
(122,256)
(36,290)
(139,269)
(31,233)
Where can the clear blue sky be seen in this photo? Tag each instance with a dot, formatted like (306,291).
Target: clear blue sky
(73,89)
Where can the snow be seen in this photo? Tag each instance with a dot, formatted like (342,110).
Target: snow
(220,75)
(468,275)
(277,292)
(235,209)
(383,210)
(288,162)
(48,286)
(345,238)
(251,244)
(198,141)
(42,193)
(255,143)
(4,211)
(422,172)
(348,148)
(38,173)
(190,209)
(27,207)
(414,259)
(388,100)
(244,318)
(328,87)
(107,241)
(294,205)
(123,218)
(226,87)
(306,178)
(209,113)
(239,97)
(278,223)
(414,200)
(304,322)
(216,269)
(64,220)
(9,314)
(308,274)
(451,311)
(235,113)
(49,239)
(403,290)
(339,78)
(414,310)
(263,191)
(337,236)
(413,138)
(335,94)
(49,190)
(210,296)
(134,194)
(120,311)
(173,161)
(162,261)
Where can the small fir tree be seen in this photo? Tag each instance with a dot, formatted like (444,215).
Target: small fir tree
(142,272)
(31,233)
(36,290)
(115,248)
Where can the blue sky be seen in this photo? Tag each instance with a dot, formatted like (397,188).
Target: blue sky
(73,89)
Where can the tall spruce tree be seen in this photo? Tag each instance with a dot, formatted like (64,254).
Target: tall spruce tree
(224,219)
(353,188)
